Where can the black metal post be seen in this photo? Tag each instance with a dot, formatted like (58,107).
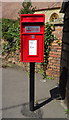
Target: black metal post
(31,97)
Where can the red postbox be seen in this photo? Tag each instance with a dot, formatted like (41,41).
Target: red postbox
(32,37)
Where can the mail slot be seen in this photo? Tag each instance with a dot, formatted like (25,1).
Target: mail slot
(32,37)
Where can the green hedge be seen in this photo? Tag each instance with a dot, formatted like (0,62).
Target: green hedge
(10,33)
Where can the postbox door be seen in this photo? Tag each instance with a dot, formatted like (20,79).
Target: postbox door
(33,48)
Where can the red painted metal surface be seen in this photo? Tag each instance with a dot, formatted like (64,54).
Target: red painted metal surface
(32,37)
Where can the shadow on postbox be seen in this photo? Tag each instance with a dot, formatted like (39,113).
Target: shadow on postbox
(32,37)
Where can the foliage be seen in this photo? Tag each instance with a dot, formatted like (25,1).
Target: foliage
(10,33)
(27,8)
(0,28)
(11,29)
(48,39)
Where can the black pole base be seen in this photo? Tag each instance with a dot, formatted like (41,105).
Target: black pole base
(25,110)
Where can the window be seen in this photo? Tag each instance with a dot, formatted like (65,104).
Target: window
(53,17)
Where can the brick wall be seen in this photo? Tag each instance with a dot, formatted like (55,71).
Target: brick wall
(55,54)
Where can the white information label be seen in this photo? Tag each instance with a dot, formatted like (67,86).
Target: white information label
(32,47)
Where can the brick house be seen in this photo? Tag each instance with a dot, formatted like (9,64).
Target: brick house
(53,16)
(51,10)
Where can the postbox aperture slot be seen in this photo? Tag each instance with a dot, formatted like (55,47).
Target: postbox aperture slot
(32,29)
(32,47)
